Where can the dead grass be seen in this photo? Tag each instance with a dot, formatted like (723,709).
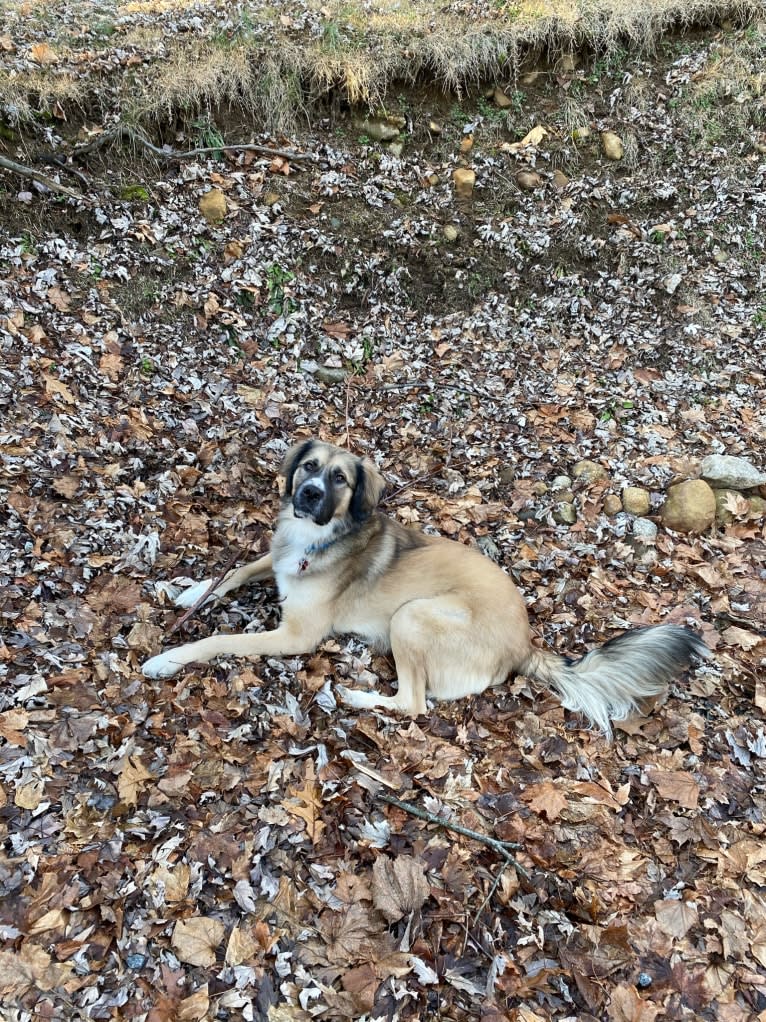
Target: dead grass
(276,69)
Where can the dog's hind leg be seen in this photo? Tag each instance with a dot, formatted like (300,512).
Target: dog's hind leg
(418,630)
(252,572)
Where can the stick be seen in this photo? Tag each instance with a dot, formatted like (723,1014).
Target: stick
(24,171)
(211,588)
(124,131)
(502,847)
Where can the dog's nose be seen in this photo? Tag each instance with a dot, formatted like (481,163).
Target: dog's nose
(311,494)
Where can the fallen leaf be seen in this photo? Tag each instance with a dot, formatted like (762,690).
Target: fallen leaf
(132,780)
(675,917)
(196,940)
(676,786)
(399,886)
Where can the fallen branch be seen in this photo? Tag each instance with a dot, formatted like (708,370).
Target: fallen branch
(163,153)
(501,847)
(215,582)
(24,171)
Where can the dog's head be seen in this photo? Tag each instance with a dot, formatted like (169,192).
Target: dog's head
(325,483)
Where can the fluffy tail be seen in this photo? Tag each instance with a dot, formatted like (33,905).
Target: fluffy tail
(608,683)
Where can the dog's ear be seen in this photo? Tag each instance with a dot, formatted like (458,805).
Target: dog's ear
(289,465)
(368,489)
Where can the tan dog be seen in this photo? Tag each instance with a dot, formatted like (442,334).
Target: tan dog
(454,621)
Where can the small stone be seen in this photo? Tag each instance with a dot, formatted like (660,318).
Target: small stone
(507,475)
(589,472)
(466,144)
(564,513)
(435,128)
(464,180)
(568,63)
(432,180)
(757,506)
(726,472)
(581,133)
(271,198)
(451,233)
(398,120)
(644,980)
(396,149)
(612,145)
(561,483)
(612,504)
(329,374)
(560,180)
(539,488)
(501,99)
(672,282)
(379,131)
(136,962)
(636,501)
(212,206)
(528,180)
(689,507)
(644,530)
(530,77)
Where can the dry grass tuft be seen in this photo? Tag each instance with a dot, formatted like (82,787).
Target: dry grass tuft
(256,58)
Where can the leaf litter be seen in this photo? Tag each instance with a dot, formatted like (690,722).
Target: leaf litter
(215,847)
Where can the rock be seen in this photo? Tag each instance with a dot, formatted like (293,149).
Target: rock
(507,475)
(560,180)
(672,282)
(488,547)
(644,531)
(561,483)
(564,513)
(581,133)
(329,374)
(464,180)
(568,63)
(432,180)
(379,131)
(758,506)
(530,77)
(212,206)
(612,145)
(528,180)
(723,471)
(451,233)
(612,504)
(636,501)
(689,507)
(500,98)
(466,143)
(271,198)
(396,149)
(435,128)
(590,472)
(539,488)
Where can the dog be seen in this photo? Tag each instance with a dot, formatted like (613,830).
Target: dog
(454,621)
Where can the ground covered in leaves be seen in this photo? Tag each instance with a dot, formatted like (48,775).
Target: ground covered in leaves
(216,846)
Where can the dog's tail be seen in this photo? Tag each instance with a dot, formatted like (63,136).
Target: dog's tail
(608,683)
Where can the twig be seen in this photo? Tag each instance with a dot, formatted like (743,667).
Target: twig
(24,171)
(501,847)
(211,588)
(125,131)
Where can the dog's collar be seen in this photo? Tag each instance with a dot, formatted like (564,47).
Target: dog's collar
(317,549)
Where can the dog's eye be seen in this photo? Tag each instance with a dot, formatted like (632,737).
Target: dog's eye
(311,466)
(338,477)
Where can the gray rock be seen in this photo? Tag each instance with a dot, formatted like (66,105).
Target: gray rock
(561,483)
(636,501)
(564,513)
(724,472)
(329,374)
(380,131)
(644,530)
(589,471)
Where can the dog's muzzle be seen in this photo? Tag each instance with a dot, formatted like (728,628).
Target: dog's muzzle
(311,500)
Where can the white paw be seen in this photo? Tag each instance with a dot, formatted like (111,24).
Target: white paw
(188,597)
(162,666)
(353,697)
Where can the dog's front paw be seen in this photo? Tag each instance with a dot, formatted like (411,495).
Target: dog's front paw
(161,666)
(353,697)
(188,597)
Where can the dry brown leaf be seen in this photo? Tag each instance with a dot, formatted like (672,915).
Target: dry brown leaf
(626,1005)
(399,886)
(30,968)
(241,947)
(132,779)
(675,917)
(55,388)
(29,796)
(546,799)
(195,1007)
(67,486)
(12,724)
(174,880)
(42,53)
(741,637)
(111,365)
(676,786)
(196,940)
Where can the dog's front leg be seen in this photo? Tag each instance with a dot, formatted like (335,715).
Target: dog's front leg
(287,640)
(252,572)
